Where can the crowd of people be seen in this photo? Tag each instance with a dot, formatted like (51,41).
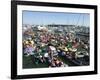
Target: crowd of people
(46,47)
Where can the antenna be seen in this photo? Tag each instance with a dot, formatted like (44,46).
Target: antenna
(83,21)
(78,20)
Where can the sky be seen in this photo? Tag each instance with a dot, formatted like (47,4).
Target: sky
(45,18)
